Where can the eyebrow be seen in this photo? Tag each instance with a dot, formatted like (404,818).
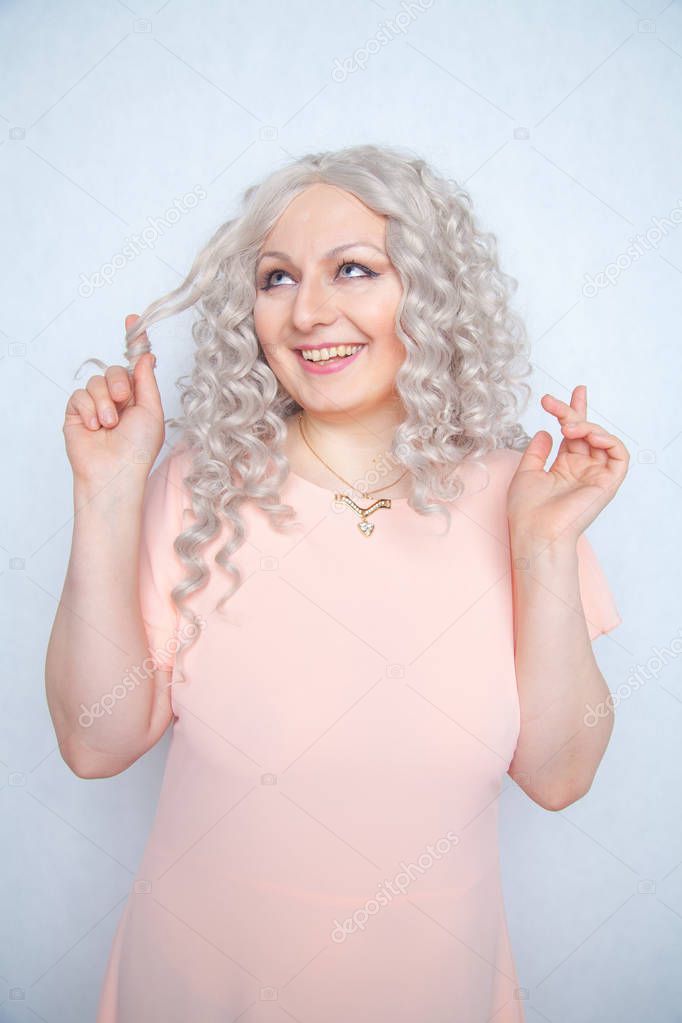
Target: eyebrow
(327,255)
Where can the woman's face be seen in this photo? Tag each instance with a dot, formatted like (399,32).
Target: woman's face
(309,298)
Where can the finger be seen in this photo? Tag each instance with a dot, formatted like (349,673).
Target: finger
(579,400)
(131,321)
(562,411)
(144,381)
(599,438)
(537,452)
(579,406)
(98,389)
(119,383)
(613,454)
(612,445)
(581,428)
(567,414)
(579,437)
(81,405)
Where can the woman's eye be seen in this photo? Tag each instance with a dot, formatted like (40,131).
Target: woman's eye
(357,265)
(267,282)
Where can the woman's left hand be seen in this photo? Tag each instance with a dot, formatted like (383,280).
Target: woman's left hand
(589,467)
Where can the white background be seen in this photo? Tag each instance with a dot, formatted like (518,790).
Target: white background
(563,121)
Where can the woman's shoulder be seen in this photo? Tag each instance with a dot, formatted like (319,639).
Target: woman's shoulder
(177,462)
(502,458)
(497,466)
(167,478)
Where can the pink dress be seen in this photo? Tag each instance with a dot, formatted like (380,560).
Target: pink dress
(325,848)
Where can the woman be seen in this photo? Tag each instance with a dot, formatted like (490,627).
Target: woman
(325,846)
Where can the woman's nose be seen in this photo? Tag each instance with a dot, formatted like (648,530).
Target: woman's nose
(314,303)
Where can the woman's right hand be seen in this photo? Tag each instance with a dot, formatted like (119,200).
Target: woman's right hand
(97,449)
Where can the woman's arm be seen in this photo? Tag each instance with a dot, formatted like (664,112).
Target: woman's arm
(559,746)
(98,640)
(558,752)
(107,700)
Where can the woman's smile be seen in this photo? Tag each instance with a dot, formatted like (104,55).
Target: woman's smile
(322,363)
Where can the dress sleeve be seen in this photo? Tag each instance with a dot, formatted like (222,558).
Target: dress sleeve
(601,613)
(160,568)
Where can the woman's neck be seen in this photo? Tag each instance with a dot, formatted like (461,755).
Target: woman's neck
(358,450)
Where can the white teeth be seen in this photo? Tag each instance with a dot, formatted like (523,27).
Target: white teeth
(322,354)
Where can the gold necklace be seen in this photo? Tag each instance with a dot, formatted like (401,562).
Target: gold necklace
(364,525)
